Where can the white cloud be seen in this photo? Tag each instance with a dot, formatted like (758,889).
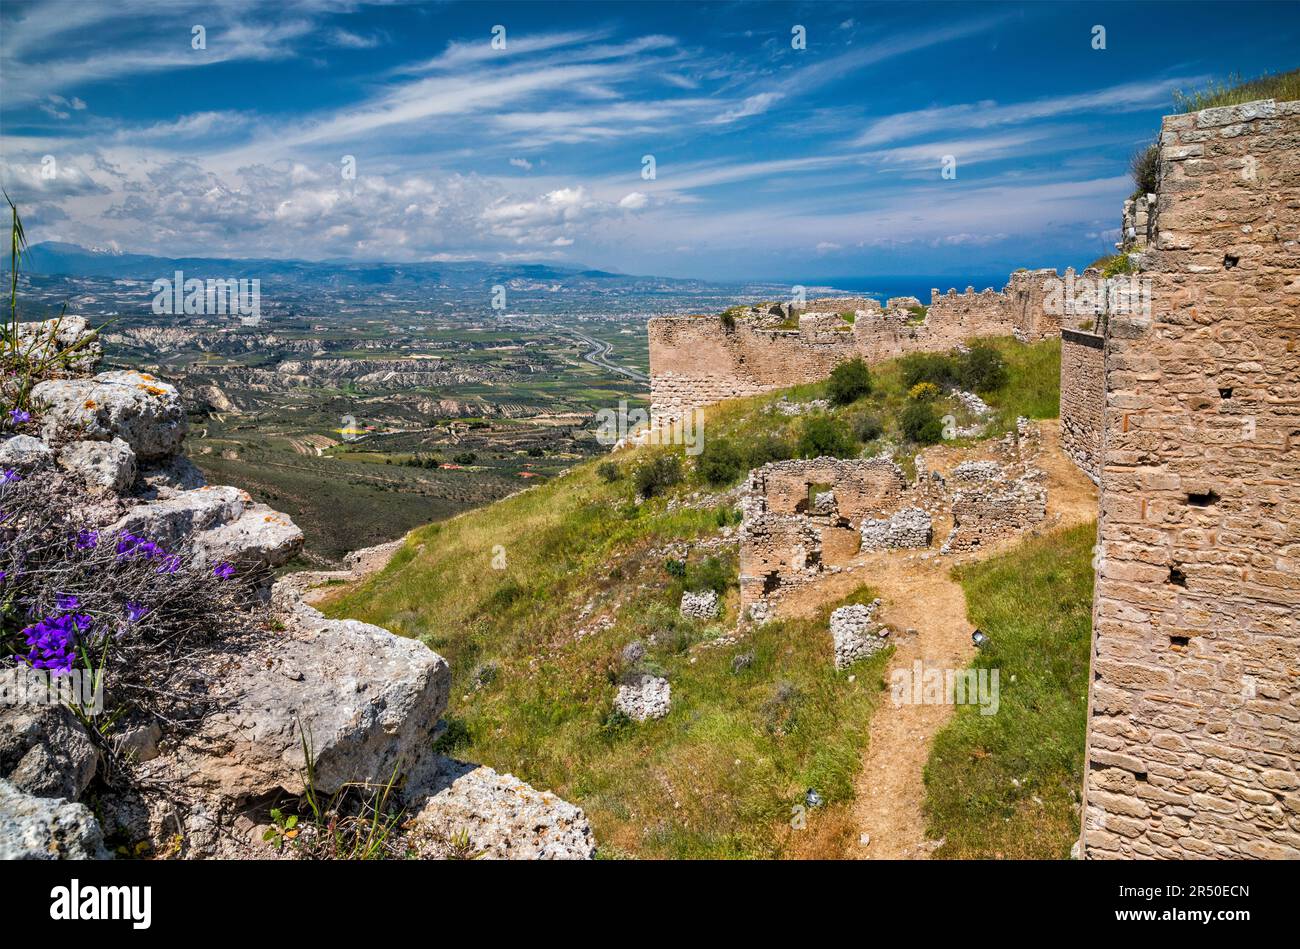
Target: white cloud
(634,201)
(523,163)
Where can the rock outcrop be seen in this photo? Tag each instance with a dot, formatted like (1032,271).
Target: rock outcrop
(313,704)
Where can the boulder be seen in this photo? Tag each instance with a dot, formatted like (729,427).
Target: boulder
(24,453)
(365,702)
(501,817)
(44,750)
(173,522)
(43,828)
(259,537)
(108,465)
(644,697)
(702,605)
(143,411)
(855,634)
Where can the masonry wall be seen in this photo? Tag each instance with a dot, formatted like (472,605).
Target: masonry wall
(698,360)
(1194,714)
(1082,398)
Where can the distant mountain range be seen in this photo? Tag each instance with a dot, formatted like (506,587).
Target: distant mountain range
(52,257)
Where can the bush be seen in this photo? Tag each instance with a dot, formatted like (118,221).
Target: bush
(465,458)
(867,427)
(608,472)
(720,463)
(824,435)
(923,392)
(920,423)
(710,574)
(937,368)
(1144,166)
(771,447)
(982,369)
(153,625)
(849,382)
(658,474)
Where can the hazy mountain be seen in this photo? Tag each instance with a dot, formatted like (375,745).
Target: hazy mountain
(52,257)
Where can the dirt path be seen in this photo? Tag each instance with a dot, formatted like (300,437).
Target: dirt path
(923,602)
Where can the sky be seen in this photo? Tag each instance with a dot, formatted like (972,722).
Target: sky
(685,140)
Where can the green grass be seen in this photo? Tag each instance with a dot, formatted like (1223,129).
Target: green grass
(1283,86)
(719,775)
(1007,785)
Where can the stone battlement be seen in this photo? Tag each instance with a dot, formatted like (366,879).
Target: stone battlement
(698,360)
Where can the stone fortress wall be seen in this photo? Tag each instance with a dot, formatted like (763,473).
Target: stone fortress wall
(1082,395)
(1193,745)
(698,360)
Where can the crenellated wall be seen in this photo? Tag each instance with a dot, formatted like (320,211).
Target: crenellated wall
(699,360)
(1193,745)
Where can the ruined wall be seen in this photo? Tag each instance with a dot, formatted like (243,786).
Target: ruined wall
(699,360)
(1082,395)
(1194,713)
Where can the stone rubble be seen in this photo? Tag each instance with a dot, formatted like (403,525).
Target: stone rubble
(855,633)
(644,697)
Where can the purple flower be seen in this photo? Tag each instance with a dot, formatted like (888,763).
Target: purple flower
(135,611)
(170,564)
(128,545)
(66,601)
(4,575)
(53,641)
(223,571)
(87,539)
(18,416)
(9,475)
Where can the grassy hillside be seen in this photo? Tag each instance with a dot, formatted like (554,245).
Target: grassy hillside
(534,599)
(1007,785)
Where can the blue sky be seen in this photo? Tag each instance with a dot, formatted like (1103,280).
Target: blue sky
(770,161)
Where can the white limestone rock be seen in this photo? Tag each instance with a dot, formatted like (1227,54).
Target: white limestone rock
(108,466)
(367,702)
(24,453)
(44,828)
(44,750)
(501,817)
(143,411)
(644,697)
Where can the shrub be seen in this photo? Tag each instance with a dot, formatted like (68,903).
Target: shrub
(658,474)
(824,435)
(920,423)
(608,471)
(1144,166)
(867,427)
(152,625)
(536,452)
(849,382)
(923,392)
(464,458)
(771,446)
(710,574)
(720,463)
(982,369)
(928,367)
